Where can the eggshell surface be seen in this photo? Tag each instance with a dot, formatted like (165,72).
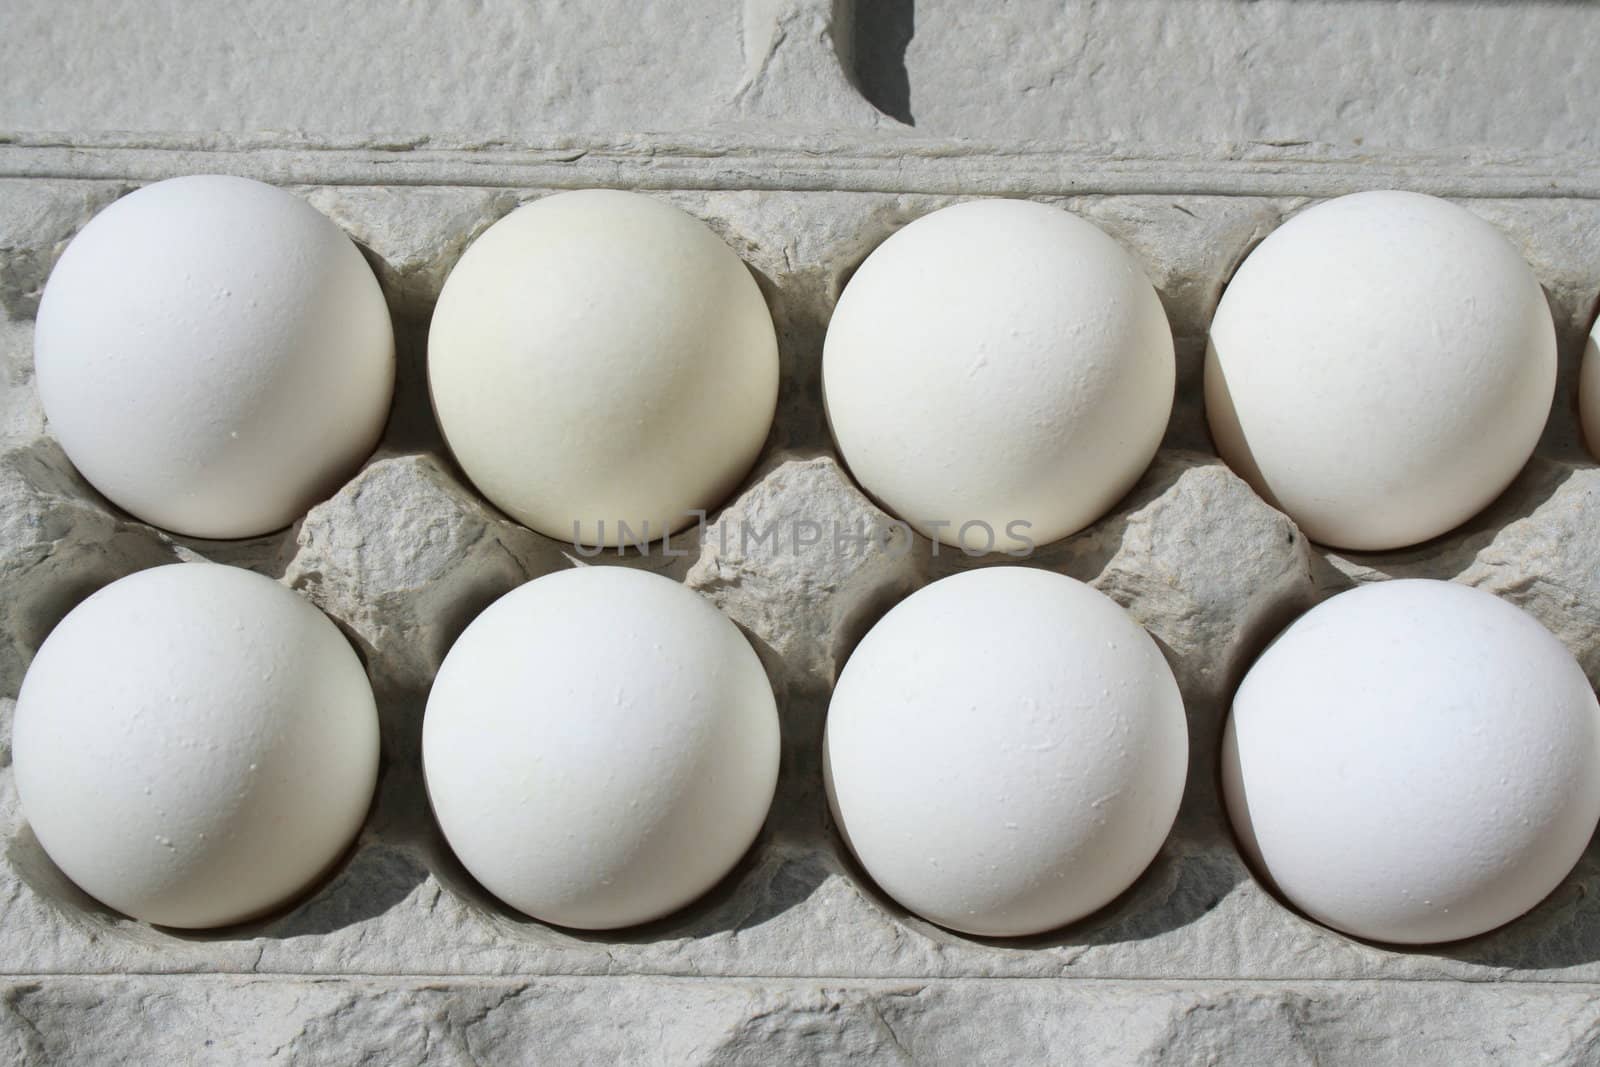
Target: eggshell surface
(214,355)
(195,744)
(601,747)
(1414,761)
(1005,751)
(998,362)
(1380,368)
(1589,391)
(603,366)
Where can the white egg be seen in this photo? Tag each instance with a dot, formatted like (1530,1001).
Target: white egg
(1380,368)
(214,355)
(1414,761)
(195,745)
(1589,390)
(1005,751)
(602,366)
(998,373)
(600,746)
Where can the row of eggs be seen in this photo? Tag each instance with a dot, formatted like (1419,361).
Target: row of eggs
(215,356)
(1005,751)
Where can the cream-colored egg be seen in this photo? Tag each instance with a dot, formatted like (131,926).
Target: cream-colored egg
(601,746)
(998,374)
(194,745)
(603,366)
(1005,751)
(1380,368)
(214,355)
(1414,761)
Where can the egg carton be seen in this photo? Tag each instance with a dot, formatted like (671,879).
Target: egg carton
(794,147)
(400,956)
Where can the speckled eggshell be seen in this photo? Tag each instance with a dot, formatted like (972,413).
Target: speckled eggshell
(601,357)
(998,362)
(1005,751)
(1380,368)
(1414,761)
(195,745)
(214,355)
(600,746)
